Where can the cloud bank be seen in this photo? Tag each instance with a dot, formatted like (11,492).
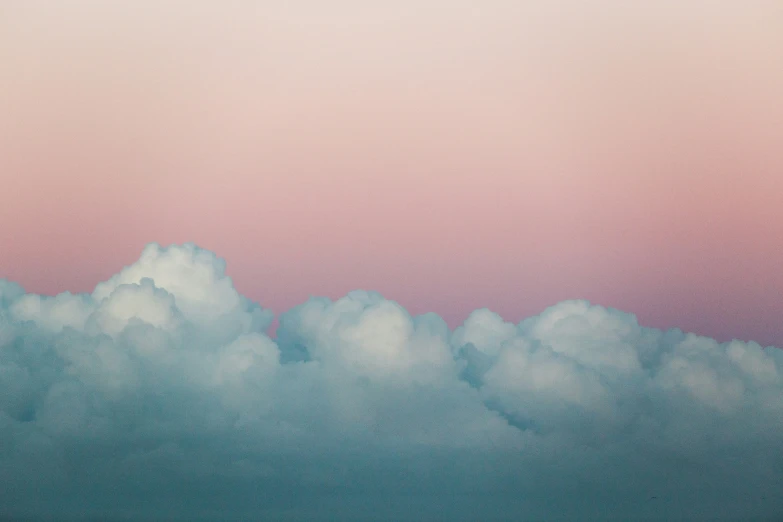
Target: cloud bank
(160,395)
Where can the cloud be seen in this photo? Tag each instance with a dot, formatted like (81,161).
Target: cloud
(161,395)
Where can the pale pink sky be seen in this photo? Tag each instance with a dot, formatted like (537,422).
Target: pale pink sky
(449,154)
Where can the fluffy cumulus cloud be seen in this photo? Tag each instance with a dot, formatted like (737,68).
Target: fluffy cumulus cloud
(160,395)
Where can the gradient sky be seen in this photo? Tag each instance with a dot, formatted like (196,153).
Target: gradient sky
(449,154)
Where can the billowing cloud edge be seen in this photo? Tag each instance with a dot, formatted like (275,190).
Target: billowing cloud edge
(163,384)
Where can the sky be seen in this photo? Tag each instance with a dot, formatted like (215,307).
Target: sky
(547,198)
(450,155)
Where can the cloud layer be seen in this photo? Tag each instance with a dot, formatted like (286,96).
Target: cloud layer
(161,395)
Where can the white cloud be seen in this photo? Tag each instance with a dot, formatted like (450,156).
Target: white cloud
(163,385)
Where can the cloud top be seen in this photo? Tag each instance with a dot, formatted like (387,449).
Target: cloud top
(161,394)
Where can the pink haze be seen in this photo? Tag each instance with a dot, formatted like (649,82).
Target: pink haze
(449,156)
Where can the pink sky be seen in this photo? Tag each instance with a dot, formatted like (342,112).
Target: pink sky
(449,154)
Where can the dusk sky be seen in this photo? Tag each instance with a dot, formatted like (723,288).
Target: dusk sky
(615,166)
(451,155)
